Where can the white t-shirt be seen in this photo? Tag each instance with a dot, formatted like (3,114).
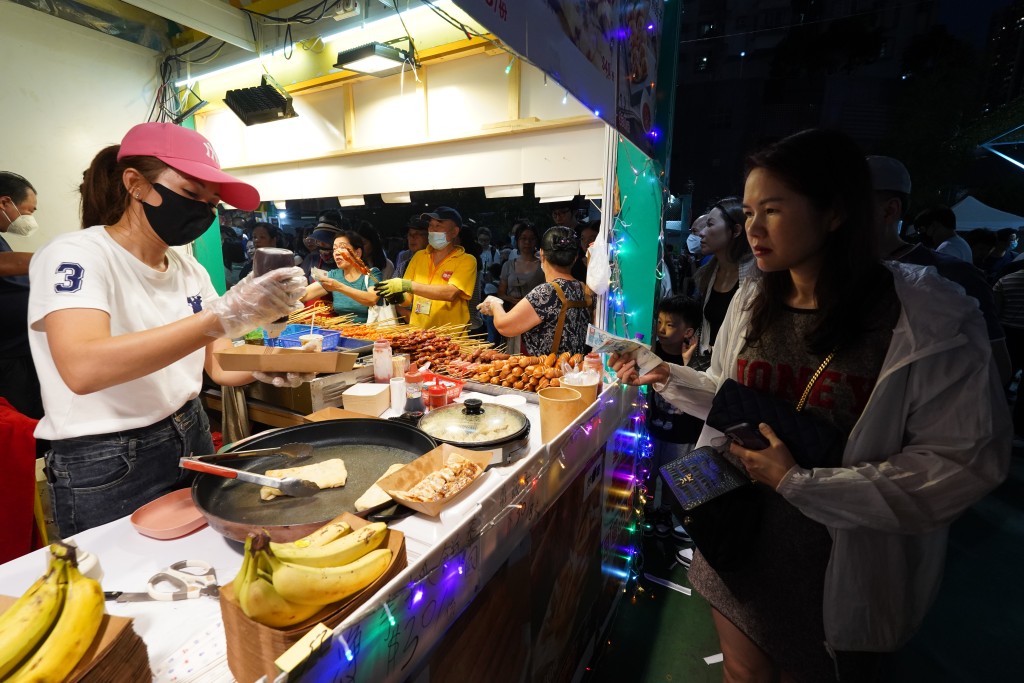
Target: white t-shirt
(88,269)
(957,246)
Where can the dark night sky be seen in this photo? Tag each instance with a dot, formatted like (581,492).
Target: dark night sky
(969,19)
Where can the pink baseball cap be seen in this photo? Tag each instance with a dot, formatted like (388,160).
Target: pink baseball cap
(187,151)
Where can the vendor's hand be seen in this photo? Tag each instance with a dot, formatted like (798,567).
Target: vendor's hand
(767,466)
(257,301)
(392,287)
(490,304)
(624,365)
(284,379)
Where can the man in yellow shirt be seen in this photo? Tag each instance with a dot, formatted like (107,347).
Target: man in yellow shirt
(439,279)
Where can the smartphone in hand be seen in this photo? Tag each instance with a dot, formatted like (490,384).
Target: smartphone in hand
(748,436)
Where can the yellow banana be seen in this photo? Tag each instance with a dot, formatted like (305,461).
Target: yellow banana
(320,537)
(265,605)
(239,580)
(27,621)
(71,636)
(336,553)
(245,577)
(323,585)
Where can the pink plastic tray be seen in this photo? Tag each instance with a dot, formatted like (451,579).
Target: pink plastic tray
(170,516)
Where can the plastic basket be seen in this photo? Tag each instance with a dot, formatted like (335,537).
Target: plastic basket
(289,337)
(453,385)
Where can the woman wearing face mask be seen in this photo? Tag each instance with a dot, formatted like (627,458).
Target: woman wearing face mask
(18,381)
(122,326)
(351,291)
(723,238)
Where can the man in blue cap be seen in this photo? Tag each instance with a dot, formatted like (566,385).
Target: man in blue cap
(439,279)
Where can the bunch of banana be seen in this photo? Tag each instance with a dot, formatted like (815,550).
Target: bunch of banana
(281,584)
(47,631)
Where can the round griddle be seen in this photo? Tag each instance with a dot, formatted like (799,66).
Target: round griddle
(234,508)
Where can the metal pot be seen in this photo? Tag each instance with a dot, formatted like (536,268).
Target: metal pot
(472,424)
(368,447)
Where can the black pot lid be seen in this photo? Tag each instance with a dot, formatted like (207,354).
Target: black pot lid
(472,422)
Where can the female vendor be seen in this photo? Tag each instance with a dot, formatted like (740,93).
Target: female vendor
(350,287)
(122,326)
(553,317)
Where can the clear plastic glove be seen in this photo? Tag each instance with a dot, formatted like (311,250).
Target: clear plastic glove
(284,379)
(489,305)
(254,302)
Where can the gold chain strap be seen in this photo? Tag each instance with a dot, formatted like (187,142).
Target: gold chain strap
(814,380)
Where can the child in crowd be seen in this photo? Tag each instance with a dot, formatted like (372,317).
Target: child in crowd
(674,432)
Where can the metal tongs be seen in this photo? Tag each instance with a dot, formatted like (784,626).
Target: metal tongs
(290,486)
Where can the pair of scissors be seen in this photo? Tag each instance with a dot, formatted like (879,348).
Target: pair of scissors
(183,580)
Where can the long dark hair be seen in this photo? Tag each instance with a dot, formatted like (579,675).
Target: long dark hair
(829,169)
(104,196)
(739,248)
(371,240)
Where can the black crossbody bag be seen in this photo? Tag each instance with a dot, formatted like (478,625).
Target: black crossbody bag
(716,501)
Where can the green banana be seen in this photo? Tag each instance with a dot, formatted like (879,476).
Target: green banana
(265,605)
(306,585)
(27,621)
(322,536)
(339,552)
(76,627)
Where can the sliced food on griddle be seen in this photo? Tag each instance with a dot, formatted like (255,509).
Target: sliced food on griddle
(328,474)
(375,495)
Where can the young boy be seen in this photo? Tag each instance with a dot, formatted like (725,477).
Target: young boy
(673,431)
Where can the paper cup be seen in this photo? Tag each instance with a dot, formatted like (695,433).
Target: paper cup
(317,339)
(588,392)
(559,406)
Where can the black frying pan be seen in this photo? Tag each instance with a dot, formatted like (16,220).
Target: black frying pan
(368,447)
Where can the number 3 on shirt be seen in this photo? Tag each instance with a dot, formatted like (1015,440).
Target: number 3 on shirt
(73,274)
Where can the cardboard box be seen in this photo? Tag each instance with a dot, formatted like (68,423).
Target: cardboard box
(252,647)
(367,397)
(335,414)
(410,475)
(273,359)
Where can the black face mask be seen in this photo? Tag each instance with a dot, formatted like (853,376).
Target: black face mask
(178,220)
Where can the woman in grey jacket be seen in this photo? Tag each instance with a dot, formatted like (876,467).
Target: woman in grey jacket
(850,555)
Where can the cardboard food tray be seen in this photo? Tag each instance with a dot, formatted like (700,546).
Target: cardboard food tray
(274,359)
(117,653)
(252,647)
(414,472)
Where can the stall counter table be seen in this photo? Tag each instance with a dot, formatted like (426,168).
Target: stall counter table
(451,559)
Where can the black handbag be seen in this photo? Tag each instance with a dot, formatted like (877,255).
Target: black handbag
(718,505)
(812,441)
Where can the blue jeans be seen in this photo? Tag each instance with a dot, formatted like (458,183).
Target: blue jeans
(97,479)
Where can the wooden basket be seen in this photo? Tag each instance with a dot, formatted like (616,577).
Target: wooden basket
(252,647)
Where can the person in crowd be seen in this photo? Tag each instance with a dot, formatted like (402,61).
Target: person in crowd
(891,183)
(489,254)
(564,214)
(553,316)
(520,274)
(672,430)
(724,240)
(492,278)
(351,290)
(467,239)
(587,235)
(1009,298)
(439,279)
(849,554)
(374,255)
(1002,255)
(19,383)
(982,242)
(937,228)
(322,256)
(264,235)
(416,239)
(122,326)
